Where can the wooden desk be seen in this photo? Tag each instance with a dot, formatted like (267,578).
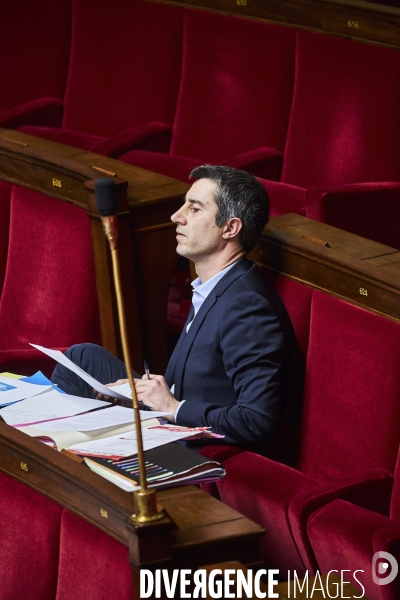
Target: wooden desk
(354,19)
(197,527)
(350,267)
(147,235)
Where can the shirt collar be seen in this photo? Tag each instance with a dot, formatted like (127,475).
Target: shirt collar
(202,290)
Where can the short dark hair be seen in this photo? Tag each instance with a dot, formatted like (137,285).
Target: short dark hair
(240,195)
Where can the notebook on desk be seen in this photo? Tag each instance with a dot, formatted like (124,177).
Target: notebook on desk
(166,466)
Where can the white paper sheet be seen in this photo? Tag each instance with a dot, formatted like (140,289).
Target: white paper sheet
(110,417)
(125,445)
(13,390)
(124,389)
(99,387)
(50,405)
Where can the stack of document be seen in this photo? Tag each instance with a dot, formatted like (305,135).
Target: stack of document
(13,389)
(47,406)
(100,430)
(108,422)
(91,427)
(153,435)
(165,467)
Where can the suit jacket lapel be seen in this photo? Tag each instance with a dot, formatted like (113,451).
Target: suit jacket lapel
(185,342)
(170,372)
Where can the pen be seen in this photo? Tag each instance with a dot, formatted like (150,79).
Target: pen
(146,368)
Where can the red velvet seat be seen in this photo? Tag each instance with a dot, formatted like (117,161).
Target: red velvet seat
(34,56)
(352,364)
(123,77)
(93,566)
(346,536)
(49,295)
(343,136)
(234,100)
(29,541)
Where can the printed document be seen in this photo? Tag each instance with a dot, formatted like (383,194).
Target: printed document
(50,405)
(118,446)
(96,385)
(109,417)
(13,390)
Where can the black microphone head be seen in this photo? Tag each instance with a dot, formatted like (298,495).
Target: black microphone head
(106,196)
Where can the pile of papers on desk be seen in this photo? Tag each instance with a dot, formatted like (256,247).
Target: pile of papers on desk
(102,433)
(91,427)
(14,388)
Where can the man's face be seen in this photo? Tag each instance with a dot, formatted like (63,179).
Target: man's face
(197,234)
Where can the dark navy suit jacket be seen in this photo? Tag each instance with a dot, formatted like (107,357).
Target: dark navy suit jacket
(231,365)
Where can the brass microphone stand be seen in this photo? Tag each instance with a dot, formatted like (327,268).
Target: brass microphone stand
(145,505)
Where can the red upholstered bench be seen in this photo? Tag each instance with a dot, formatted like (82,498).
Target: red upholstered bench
(123,77)
(350,424)
(347,536)
(49,295)
(235,91)
(5,198)
(35,42)
(93,566)
(342,156)
(234,100)
(30,542)
(48,553)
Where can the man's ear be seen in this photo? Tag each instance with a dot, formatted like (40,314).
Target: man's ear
(232,228)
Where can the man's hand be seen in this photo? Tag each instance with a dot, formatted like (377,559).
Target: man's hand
(114,400)
(154,392)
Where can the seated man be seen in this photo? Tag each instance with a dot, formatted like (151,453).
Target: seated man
(229,368)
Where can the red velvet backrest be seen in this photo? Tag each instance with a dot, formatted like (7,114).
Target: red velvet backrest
(369,210)
(49,295)
(236,87)
(395,499)
(93,565)
(29,542)
(34,50)
(297,300)
(345,122)
(351,417)
(5,198)
(125,65)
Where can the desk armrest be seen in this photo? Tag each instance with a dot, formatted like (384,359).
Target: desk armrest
(370,489)
(150,136)
(44,111)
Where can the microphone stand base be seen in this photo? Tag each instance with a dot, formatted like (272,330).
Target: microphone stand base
(145,507)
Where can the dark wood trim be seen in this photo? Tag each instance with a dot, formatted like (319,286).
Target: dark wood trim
(196,527)
(356,20)
(347,269)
